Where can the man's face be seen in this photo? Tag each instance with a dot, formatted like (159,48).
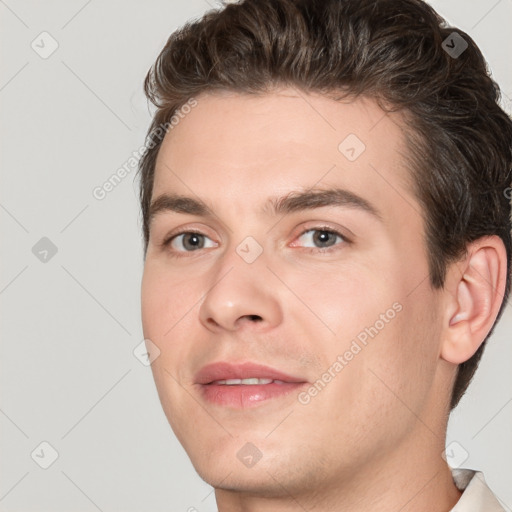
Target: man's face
(350,318)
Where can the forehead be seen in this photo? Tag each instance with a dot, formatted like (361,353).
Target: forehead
(236,150)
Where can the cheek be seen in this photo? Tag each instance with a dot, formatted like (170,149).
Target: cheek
(167,308)
(170,304)
(400,362)
(164,299)
(389,335)
(338,304)
(154,301)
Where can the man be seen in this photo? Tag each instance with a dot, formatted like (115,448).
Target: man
(327,250)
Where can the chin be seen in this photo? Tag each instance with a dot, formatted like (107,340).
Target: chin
(257,480)
(262,467)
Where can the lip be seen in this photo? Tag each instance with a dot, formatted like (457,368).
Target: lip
(242,396)
(224,370)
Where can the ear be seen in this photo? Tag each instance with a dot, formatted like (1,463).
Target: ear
(475,288)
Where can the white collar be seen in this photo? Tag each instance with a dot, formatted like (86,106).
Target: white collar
(476,494)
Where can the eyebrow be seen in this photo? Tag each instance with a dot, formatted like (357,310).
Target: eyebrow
(294,201)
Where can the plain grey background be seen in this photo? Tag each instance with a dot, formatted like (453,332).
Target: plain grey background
(71,320)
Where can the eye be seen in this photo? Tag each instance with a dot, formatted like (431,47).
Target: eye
(323,238)
(188,241)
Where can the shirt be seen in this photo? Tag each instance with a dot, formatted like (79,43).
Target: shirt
(476,495)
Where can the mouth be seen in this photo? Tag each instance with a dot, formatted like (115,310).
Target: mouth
(244,385)
(253,381)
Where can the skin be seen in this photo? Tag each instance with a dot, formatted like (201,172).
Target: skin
(374,435)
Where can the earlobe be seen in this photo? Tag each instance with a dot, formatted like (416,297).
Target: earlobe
(475,297)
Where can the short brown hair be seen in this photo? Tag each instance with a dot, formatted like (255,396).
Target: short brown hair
(394,51)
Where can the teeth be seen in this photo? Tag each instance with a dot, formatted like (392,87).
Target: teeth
(246,382)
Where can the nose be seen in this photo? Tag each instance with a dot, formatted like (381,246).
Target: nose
(241,295)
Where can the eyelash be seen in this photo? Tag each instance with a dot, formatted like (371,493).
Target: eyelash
(326,229)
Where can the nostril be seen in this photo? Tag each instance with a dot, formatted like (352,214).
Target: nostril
(213,322)
(255,317)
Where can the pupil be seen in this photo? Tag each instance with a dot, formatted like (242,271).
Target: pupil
(195,244)
(322,235)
